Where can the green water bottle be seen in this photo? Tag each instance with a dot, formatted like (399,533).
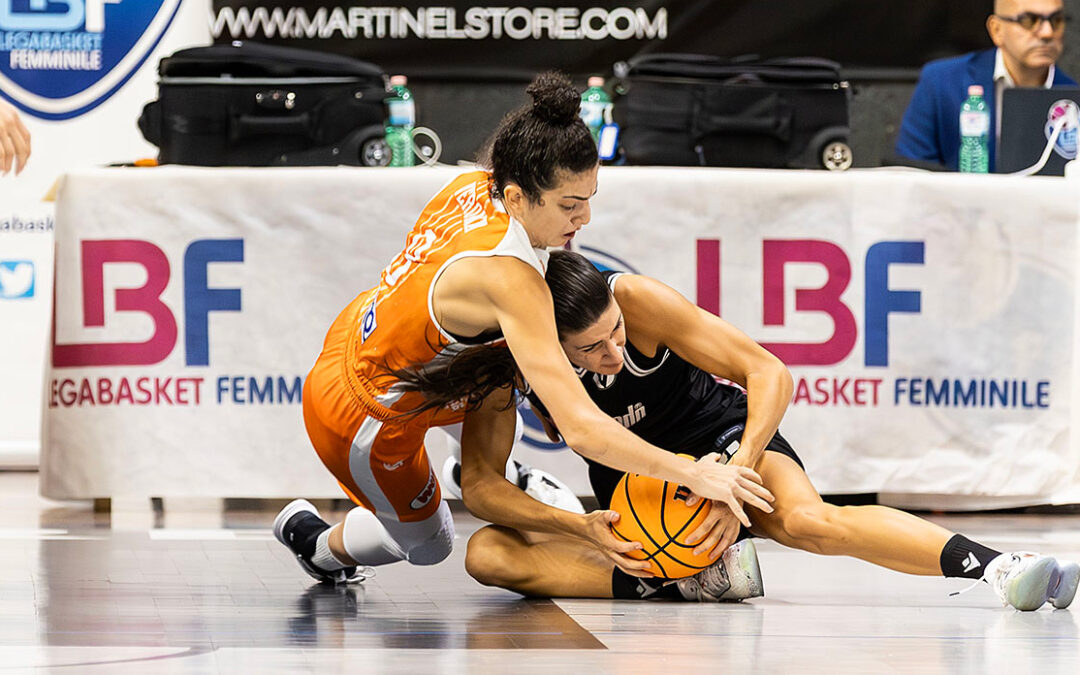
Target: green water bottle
(400,122)
(595,107)
(974,132)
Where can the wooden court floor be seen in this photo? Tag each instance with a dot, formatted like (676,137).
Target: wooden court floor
(202,587)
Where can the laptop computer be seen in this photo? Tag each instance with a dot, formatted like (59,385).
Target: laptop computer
(1027,120)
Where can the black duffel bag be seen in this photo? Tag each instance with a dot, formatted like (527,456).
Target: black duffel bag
(690,110)
(248,104)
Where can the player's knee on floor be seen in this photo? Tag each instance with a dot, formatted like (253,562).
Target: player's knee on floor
(428,541)
(373,539)
(487,557)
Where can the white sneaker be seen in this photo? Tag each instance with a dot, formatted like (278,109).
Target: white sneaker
(735,576)
(538,484)
(451,478)
(1062,592)
(546,488)
(1024,580)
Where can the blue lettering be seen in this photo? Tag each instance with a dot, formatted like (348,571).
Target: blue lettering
(264,394)
(915,395)
(962,396)
(287,394)
(237,390)
(38,18)
(999,392)
(880,301)
(1042,394)
(898,389)
(936,397)
(200,300)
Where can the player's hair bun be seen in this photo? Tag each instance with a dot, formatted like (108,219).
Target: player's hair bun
(554,99)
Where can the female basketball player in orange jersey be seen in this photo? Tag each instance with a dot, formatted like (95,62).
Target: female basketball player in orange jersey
(639,344)
(470,277)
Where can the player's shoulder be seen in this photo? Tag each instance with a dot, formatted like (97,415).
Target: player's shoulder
(630,287)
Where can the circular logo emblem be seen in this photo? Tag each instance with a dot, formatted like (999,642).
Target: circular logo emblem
(1064,112)
(62,58)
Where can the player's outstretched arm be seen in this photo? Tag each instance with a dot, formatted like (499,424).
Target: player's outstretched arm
(487,436)
(14,140)
(663,316)
(523,309)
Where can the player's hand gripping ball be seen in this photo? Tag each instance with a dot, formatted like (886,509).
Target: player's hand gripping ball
(654,513)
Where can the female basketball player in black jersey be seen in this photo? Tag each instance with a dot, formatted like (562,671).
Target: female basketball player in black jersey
(647,356)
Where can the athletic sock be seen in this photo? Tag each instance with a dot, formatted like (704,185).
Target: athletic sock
(962,557)
(627,587)
(323,557)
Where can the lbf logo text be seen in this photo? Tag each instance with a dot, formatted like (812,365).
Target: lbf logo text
(54,15)
(199,301)
(880,301)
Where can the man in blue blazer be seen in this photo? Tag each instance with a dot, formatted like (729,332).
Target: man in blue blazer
(1029,35)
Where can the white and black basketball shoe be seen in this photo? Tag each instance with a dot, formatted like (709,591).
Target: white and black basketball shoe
(735,576)
(298,527)
(538,484)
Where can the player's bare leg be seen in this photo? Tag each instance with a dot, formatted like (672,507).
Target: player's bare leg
(876,534)
(546,565)
(903,542)
(533,564)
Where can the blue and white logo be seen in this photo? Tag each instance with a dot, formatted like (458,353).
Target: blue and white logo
(62,58)
(16,279)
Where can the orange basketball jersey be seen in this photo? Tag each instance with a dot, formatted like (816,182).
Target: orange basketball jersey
(396,327)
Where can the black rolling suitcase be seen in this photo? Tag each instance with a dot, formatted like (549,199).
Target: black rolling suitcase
(247,104)
(690,110)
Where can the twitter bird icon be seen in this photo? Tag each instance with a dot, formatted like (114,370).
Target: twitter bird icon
(16,279)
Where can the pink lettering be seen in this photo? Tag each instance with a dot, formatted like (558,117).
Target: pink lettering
(776,254)
(147,299)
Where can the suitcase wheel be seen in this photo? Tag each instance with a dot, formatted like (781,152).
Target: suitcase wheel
(836,155)
(375,151)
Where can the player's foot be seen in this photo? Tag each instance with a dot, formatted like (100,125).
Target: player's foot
(1062,592)
(298,526)
(735,576)
(538,484)
(451,478)
(546,488)
(1023,580)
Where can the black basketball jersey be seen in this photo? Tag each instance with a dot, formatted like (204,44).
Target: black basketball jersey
(666,401)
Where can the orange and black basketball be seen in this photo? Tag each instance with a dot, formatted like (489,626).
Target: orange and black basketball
(654,513)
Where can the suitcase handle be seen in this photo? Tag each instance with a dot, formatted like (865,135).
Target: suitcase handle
(246,126)
(771,116)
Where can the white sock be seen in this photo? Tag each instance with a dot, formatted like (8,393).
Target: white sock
(324,558)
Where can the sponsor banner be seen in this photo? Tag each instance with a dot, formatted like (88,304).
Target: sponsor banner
(473,39)
(26,246)
(80,72)
(190,305)
(928,319)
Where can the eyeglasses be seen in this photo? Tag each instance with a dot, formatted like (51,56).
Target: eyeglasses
(1033,22)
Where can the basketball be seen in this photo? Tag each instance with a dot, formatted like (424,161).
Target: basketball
(654,513)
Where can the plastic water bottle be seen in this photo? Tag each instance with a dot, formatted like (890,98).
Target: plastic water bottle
(595,107)
(400,122)
(974,132)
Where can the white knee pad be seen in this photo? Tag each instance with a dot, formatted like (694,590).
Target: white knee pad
(428,541)
(373,540)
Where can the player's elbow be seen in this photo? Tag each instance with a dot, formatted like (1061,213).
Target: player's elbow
(782,376)
(584,433)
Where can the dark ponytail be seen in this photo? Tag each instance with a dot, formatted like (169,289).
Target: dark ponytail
(469,376)
(580,292)
(537,141)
